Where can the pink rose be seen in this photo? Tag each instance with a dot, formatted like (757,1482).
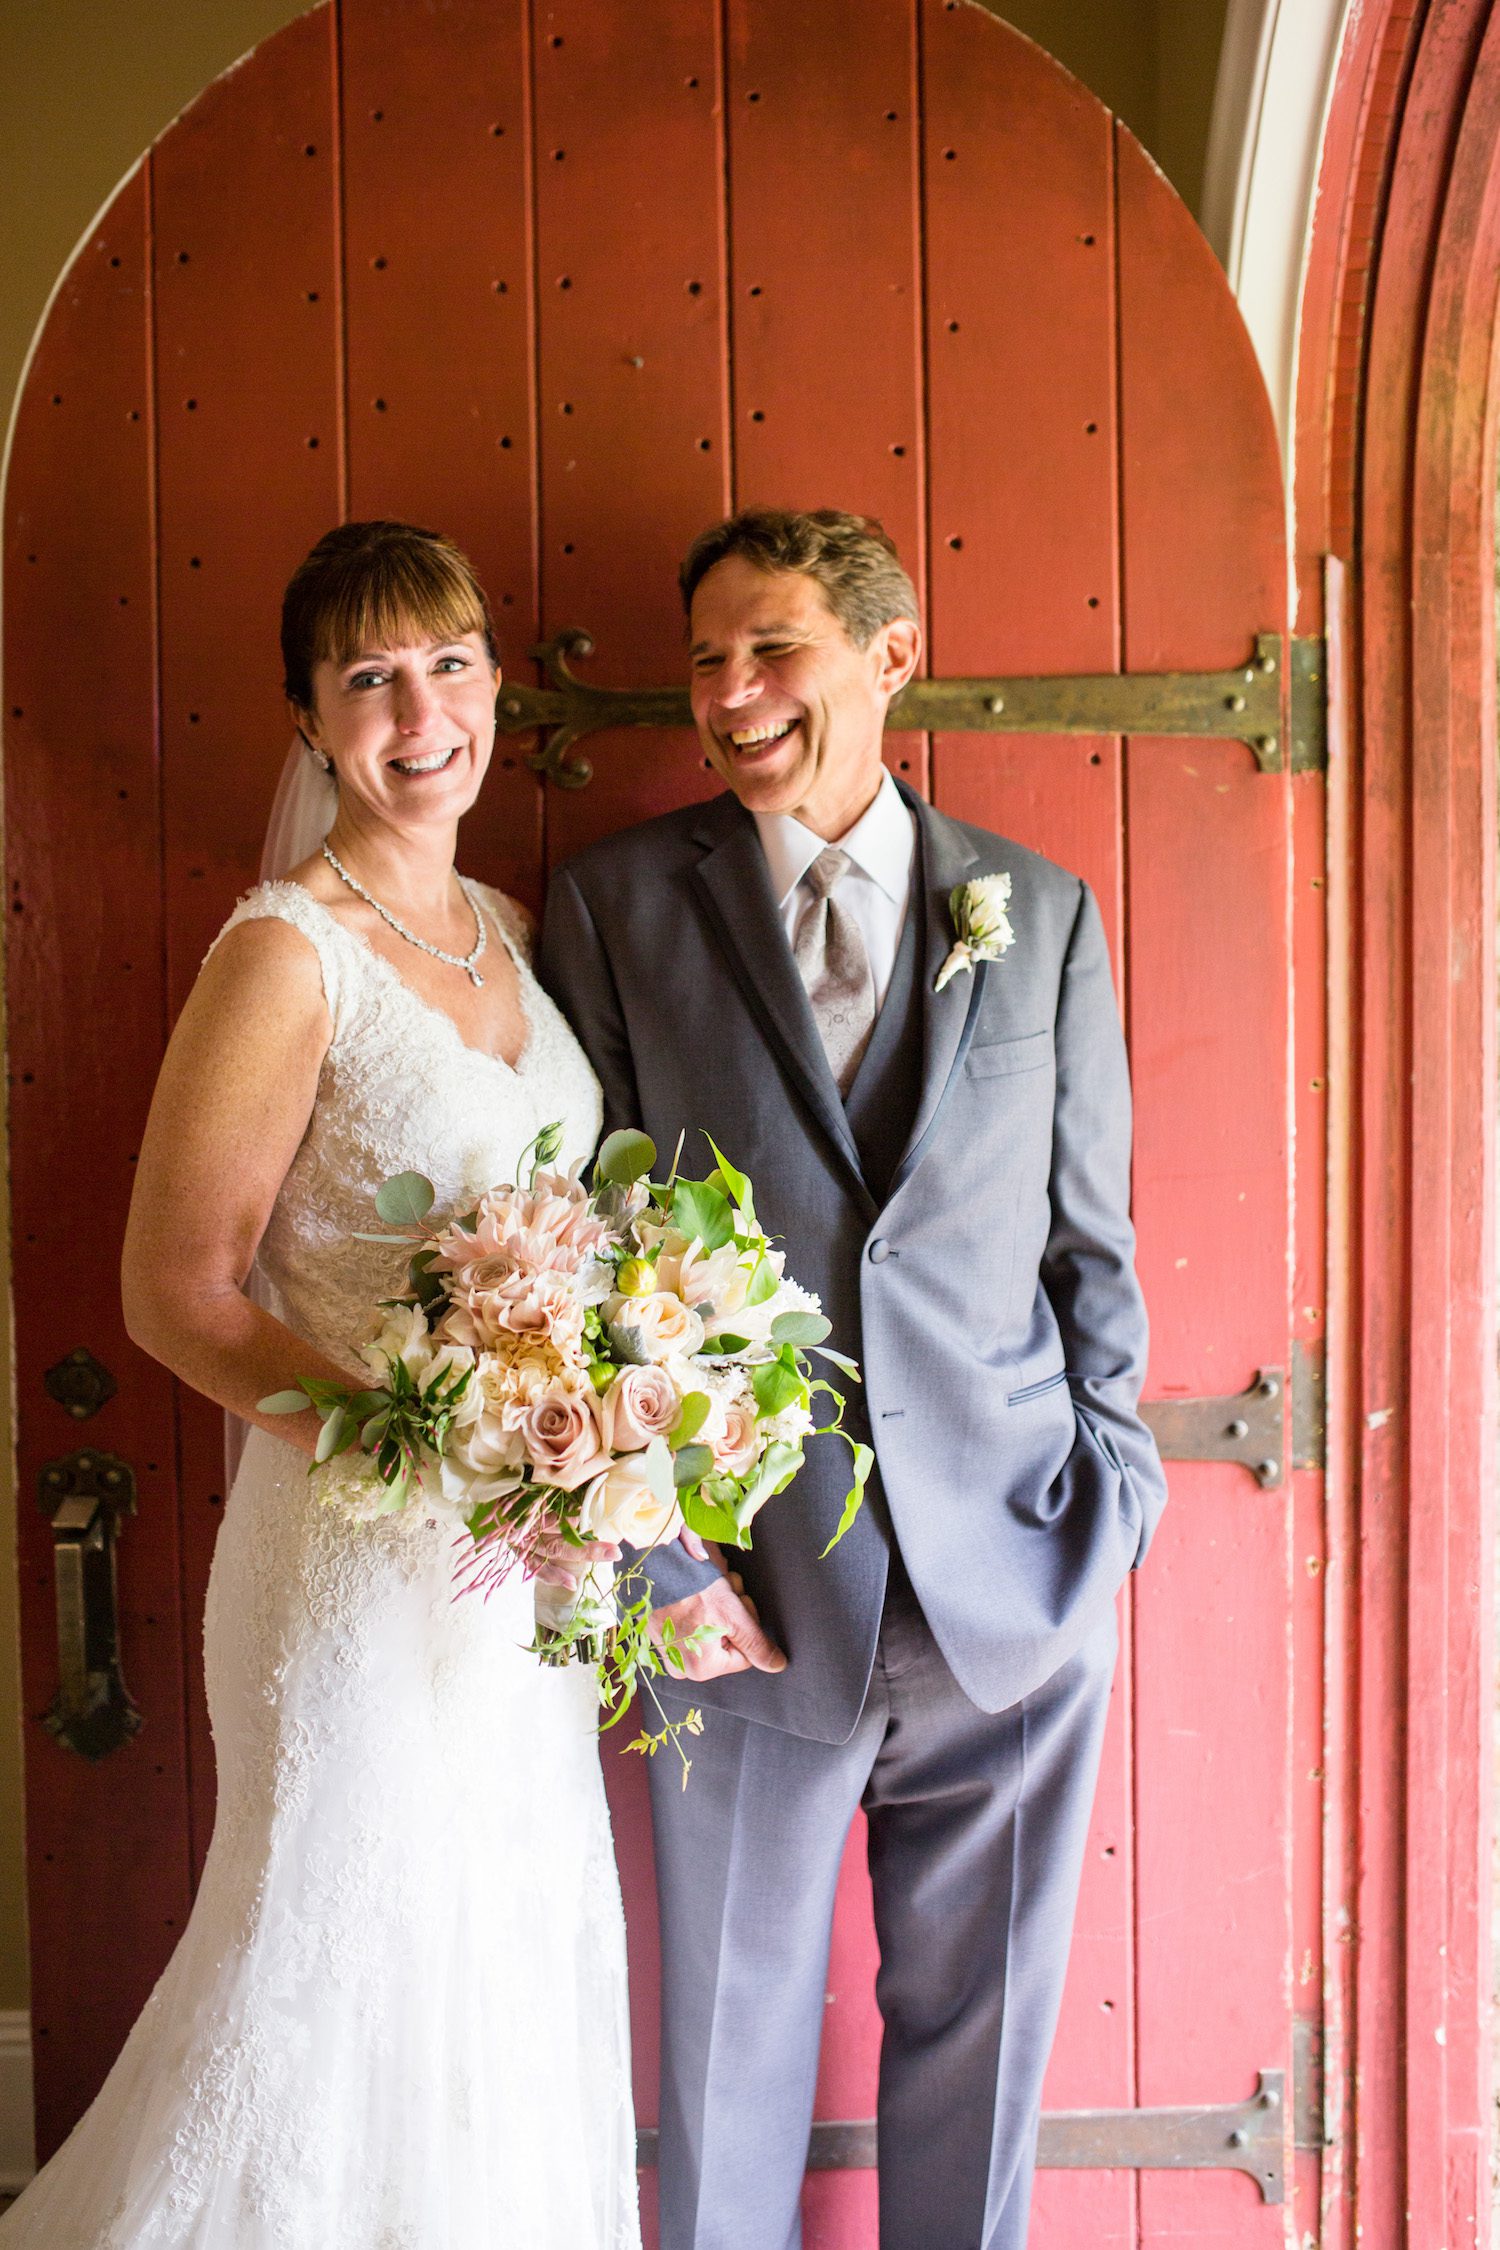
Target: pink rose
(736,1447)
(563,1439)
(641,1403)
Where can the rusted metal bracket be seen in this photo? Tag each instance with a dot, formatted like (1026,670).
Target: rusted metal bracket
(1245,2137)
(1248,1428)
(1243,705)
(86,1495)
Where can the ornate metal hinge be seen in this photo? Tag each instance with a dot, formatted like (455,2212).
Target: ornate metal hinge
(1232,2137)
(86,1495)
(1242,705)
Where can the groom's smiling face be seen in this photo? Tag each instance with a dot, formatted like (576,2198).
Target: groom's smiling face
(789,710)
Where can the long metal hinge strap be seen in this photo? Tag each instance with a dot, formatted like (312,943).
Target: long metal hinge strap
(1245,2137)
(1244,704)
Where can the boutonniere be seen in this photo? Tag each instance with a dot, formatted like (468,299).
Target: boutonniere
(980,924)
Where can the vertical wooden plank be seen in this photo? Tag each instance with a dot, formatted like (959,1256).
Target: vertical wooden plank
(1209,918)
(84,974)
(1314,1801)
(1020,340)
(632,382)
(249,414)
(435,221)
(823,149)
(823,138)
(633,462)
(1020,247)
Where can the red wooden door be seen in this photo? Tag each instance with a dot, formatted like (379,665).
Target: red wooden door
(570,292)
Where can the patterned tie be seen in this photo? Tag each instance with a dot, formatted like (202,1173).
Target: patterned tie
(829,950)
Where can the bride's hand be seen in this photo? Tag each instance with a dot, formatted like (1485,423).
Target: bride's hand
(565,1562)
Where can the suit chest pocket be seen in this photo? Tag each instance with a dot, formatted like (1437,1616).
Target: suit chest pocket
(1007,1058)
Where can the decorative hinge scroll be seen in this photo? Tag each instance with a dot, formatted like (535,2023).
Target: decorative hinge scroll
(1244,704)
(1229,2137)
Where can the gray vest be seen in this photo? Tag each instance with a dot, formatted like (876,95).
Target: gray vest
(881,1105)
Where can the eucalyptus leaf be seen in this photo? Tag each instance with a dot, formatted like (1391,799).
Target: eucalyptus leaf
(334,1435)
(846,1366)
(283,1402)
(691,1418)
(406,1200)
(691,1463)
(657,1461)
(800,1328)
(625,1157)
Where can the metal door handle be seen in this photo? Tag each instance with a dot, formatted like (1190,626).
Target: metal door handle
(86,1495)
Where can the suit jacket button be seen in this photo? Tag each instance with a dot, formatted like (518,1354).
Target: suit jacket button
(880,1250)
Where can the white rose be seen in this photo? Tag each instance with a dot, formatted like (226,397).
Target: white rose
(660,1326)
(621,1505)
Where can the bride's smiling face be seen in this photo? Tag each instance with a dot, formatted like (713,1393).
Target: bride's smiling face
(409,728)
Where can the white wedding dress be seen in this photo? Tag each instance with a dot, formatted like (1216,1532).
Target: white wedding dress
(397,2017)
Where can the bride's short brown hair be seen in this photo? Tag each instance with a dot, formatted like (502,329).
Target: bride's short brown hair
(367,585)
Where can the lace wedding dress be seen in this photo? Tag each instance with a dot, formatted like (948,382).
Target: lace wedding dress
(397,2017)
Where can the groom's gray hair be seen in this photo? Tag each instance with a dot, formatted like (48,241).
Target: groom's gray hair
(852,558)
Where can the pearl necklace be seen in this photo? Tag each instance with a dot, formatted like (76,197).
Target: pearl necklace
(468,962)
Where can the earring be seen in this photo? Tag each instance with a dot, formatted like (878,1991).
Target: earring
(316,756)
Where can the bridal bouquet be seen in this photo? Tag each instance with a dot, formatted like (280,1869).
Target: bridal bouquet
(571,1365)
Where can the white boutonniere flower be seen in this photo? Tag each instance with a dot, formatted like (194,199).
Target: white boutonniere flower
(980,924)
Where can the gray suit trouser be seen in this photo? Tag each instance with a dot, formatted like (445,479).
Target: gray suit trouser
(977,1825)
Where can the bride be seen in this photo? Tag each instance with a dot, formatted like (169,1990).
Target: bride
(397,2017)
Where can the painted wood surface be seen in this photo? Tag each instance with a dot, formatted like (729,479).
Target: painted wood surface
(1395,474)
(570,293)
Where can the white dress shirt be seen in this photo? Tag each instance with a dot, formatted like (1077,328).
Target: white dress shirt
(882,847)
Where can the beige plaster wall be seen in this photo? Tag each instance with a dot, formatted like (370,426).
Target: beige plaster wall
(86,85)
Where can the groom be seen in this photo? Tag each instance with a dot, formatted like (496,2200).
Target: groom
(950,1171)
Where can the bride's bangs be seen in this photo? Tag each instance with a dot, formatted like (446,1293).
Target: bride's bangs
(396,601)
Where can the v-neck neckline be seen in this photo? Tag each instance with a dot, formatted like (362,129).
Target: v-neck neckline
(430,1007)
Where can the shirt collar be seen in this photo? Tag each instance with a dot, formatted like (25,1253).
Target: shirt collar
(881,844)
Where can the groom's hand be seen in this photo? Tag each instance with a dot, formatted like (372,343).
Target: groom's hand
(722,1628)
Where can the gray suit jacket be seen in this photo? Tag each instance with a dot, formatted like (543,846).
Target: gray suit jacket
(988,1289)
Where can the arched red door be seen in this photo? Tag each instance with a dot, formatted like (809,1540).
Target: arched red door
(570,282)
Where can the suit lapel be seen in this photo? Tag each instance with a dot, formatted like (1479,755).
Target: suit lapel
(944,859)
(736,891)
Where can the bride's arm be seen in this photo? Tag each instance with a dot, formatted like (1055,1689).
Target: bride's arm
(231,1105)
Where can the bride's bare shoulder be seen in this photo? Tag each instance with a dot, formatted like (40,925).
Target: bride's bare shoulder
(265,957)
